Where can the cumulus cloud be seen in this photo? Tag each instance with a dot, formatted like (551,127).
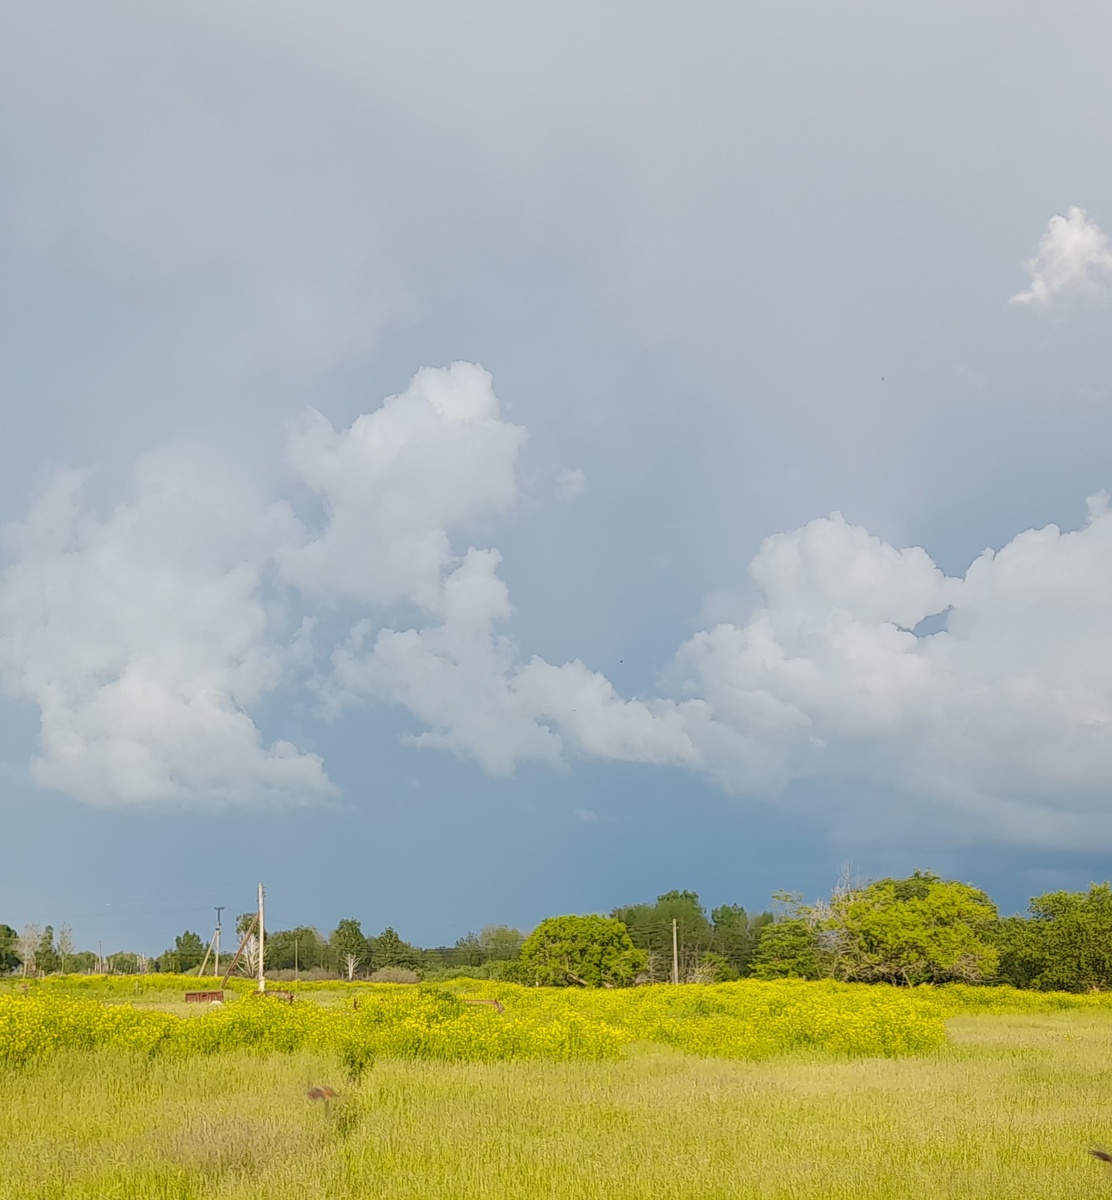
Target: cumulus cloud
(464,679)
(148,636)
(997,725)
(434,461)
(144,638)
(1002,720)
(1074,260)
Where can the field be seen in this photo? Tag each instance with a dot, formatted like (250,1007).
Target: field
(694,1093)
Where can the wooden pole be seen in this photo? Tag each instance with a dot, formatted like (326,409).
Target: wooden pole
(208,951)
(239,953)
(675,953)
(262,942)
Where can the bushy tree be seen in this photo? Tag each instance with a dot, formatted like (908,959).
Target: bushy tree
(348,947)
(736,934)
(9,949)
(302,947)
(1068,942)
(921,929)
(47,959)
(186,955)
(650,929)
(468,951)
(589,951)
(388,950)
(792,946)
(500,943)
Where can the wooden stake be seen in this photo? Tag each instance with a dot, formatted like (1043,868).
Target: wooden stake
(262,942)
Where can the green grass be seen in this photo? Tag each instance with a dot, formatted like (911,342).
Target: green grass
(1008,1109)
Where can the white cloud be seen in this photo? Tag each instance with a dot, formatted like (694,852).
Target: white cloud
(998,726)
(144,639)
(149,635)
(1074,260)
(464,679)
(433,461)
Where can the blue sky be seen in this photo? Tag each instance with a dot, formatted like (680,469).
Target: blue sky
(463,464)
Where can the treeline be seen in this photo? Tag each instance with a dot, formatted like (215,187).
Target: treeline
(908,931)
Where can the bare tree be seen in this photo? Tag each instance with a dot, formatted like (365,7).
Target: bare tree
(65,945)
(29,941)
(350,961)
(249,961)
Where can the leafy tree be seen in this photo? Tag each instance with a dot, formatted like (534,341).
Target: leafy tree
(1068,942)
(791,947)
(84,962)
(650,929)
(47,960)
(921,929)
(468,951)
(1019,943)
(500,943)
(186,955)
(736,935)
(348,947)
(714,968)
(388,950)
(591,951)
(302,947)
(9,949)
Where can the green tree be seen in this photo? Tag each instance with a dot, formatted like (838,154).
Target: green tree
(468,951)
(302,947)
(921,929)
(736,935)
(1019,943)
(591,951)
(791,947)
(500,943)
(348,947)
(388,950)
(9,949)
(47,959)
(83,962)
(186,955)
(1068,942)
(650,929)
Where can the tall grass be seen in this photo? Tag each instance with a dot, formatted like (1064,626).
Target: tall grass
(747,1020)
(1008,1108)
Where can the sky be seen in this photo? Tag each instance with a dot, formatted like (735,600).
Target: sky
(467,463)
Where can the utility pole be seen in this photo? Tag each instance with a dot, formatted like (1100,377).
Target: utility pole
(675,952)
(296,969)
(219,909)
(262,942)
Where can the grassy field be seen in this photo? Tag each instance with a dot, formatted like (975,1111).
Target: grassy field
(1008,1107)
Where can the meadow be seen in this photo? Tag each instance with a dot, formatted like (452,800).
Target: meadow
(689,1092)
